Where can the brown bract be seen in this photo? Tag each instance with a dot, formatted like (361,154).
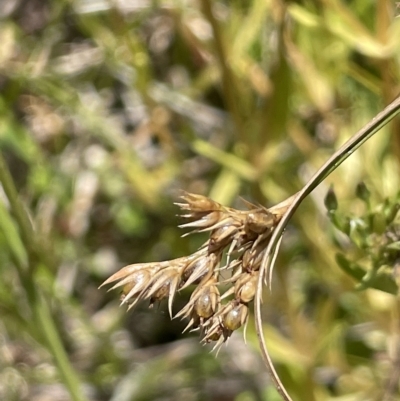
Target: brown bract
(240,235)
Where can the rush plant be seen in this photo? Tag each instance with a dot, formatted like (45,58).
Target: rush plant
(243,234)
(251,239)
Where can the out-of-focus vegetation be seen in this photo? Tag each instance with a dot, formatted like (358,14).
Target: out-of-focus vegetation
(108,108)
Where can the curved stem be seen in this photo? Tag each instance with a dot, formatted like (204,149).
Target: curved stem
(268,261)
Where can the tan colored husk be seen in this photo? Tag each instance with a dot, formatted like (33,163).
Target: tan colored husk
(242,234)
(245,287)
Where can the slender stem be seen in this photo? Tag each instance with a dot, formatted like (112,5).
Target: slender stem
(336,160)
(53,342)
(41,313)
(36,249)
(271,252)
(20,214)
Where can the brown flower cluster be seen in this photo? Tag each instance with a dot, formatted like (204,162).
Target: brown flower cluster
(240,235)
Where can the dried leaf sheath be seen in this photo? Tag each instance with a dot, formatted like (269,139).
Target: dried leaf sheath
(242,234)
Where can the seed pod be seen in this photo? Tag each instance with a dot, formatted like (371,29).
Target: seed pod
(221,237)
(259,221)
(204,299)
(194,322)
(235,317)
(203,223)
(245,287)
(164,284)
(251,258)
(197,267)
(138,282)
(247,259)
(201,267)
(198,203)
(207,301)
(214,336)
(161,292)
(214,331)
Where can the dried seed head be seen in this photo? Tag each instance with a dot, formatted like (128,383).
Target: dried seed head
(198,203)
(244,236)
(126,274)
(206,222)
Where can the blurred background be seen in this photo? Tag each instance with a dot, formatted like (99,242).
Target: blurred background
(107,109)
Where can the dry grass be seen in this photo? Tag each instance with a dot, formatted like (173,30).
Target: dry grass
(245,236)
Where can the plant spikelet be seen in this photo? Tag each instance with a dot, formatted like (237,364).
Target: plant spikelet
(242,235)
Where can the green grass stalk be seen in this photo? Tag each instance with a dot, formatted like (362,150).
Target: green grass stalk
(41,312)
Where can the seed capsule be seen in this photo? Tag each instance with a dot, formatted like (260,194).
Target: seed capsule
(247,259)
(198,203)
(207,302)
(221,237)
(236,317)
(199,268)
(214,332)
(194,322)
(161,293)
(252,258)
(259,221)
(202,222)
(138,281)
(214,336)
(245,287)
(196,269)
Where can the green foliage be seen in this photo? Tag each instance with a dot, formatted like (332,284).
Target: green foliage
(108,108)
(375,235)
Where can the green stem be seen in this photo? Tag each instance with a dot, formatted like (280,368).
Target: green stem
(36,249)
(41,312)
(21,216)
(335,161)
(45,321)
